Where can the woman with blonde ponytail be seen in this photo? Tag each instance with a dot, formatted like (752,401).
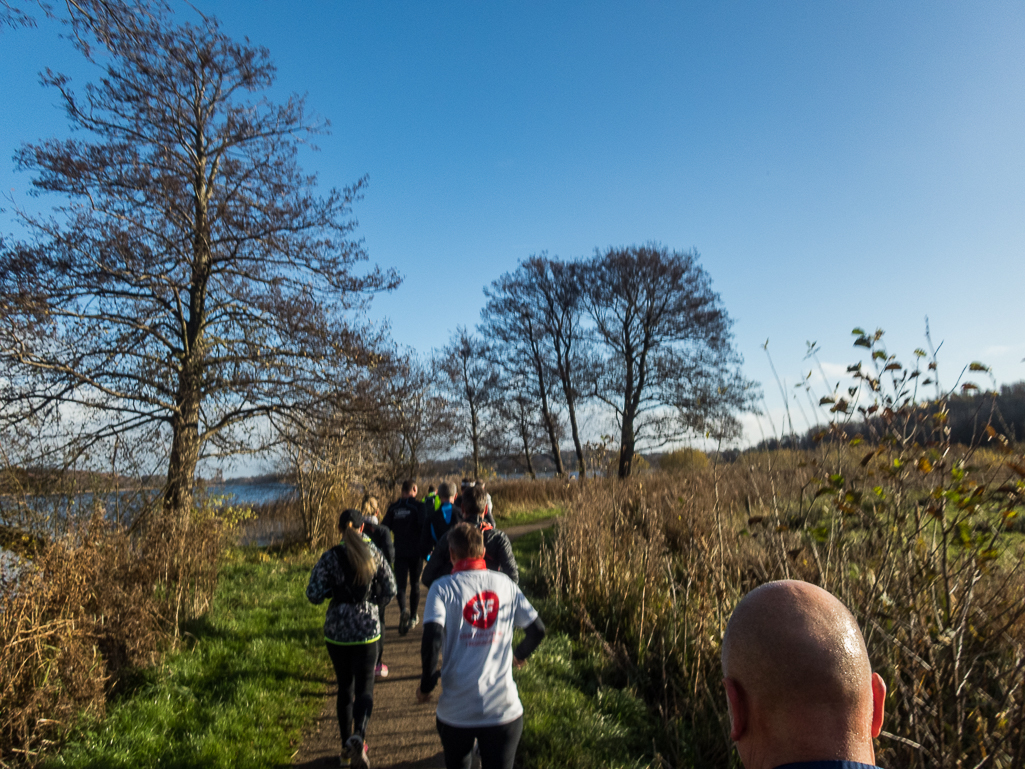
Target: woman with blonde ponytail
(356,577)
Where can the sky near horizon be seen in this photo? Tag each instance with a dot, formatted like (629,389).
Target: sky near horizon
(835,164)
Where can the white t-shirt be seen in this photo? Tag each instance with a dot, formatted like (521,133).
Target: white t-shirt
(478,609)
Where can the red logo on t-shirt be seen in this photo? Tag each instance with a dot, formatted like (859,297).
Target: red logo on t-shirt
(482,610)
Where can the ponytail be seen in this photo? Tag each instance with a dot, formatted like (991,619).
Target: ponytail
(360,557)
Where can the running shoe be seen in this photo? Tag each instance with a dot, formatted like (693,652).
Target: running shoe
(381,671)
(404,625)
(414,621)
(343,760)
(356,749)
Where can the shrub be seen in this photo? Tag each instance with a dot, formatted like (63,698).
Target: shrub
(87,608)
(682,461)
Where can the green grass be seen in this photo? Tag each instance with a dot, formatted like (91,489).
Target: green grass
(572,718)
(577,711)
(250,674)
(524,517)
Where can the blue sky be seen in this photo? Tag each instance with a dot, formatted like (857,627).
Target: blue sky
(835,164)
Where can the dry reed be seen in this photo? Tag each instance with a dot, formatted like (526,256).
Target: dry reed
(919,550)
(89,607)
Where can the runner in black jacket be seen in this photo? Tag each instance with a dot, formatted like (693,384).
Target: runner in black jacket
(489,509)
(405,518)
(498,553)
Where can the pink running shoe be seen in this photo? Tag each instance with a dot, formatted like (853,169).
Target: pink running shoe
(356,749)
(381,671)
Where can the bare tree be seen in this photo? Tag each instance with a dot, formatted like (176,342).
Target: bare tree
(12,16)
(89,22)
(192,280)
(417,421)
(471,380)
(670,365)
(520,433)
(330,451)
(558,289)
(513,321)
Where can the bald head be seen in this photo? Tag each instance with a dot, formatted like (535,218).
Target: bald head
(795,663)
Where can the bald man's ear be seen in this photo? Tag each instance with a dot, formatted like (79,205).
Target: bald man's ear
(878,697)
(738,708)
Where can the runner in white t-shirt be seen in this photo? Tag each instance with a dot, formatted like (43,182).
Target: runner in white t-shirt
(471,613)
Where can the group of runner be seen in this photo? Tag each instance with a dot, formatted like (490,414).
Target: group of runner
(472,605)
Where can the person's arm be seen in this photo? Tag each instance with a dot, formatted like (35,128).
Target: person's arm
(439,564)
(389,544)
(386,579)
(435,613)
(320,583)
(489,513)
(430,656)
(421,512)
(506,557)
(535,632)
(426,538)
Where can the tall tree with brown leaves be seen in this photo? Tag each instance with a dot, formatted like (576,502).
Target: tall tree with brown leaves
(192,280)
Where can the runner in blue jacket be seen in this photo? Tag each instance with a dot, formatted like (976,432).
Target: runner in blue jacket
(446,515)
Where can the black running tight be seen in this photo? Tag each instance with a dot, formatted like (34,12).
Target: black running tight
(354,668)
(408,569)
(497,744)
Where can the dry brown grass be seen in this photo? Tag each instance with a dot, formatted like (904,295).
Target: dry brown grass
(89,607)
(653,567)
(520,495)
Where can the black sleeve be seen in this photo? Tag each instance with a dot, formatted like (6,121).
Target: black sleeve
(389,517)
(535,632)
(430,655)
(439,564)
(387,543)
(420,510)
(426,538)
(506,558)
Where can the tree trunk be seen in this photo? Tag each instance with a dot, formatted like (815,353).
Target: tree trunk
(626,446)
(475,443)
(577,446)
(525,436)
(563,366)
(546,414)
(626,440)
(181,467)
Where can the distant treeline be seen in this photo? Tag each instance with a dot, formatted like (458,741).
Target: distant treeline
(51,480)
(968,417)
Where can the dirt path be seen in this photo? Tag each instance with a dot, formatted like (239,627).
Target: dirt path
(402,734)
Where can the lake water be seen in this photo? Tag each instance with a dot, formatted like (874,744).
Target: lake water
(122,504)
(251,493)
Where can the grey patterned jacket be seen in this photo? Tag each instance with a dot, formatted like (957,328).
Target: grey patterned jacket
(350,623)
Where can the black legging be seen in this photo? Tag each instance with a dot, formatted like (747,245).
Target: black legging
(354,668)
(497,744)
(380,644)
(408,568)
